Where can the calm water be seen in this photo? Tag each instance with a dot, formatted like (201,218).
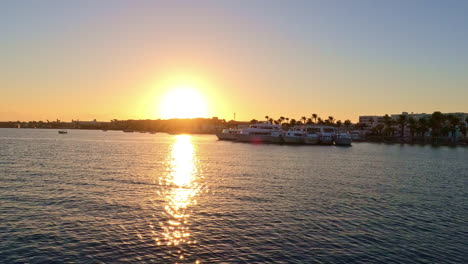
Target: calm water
(113,197)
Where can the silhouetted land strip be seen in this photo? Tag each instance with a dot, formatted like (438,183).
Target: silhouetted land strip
(172,126)
(438,129)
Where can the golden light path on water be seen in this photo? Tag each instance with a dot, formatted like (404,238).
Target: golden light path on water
(181,185)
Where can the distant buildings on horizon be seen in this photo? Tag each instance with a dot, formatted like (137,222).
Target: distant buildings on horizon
(371,121)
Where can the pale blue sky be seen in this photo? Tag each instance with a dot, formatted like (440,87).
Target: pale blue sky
(96,59)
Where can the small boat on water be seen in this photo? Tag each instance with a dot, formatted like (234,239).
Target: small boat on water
(63,132)
(228,134)
(261,133)
(343,139)
(128,131)
(295,135)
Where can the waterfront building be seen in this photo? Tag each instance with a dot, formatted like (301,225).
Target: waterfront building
(368,122)
(372,121)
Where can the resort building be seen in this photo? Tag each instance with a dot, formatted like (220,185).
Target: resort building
(372,121)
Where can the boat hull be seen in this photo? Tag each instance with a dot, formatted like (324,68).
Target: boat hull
(326,141)
(225,136)
(293,140)
(311,140)
(343,141)
(258,139)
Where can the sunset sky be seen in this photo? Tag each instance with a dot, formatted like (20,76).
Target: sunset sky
(120,59)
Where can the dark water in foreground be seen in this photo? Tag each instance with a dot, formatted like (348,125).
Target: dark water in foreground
(113,197)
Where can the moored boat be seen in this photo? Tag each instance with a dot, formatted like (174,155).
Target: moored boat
(63,132)
(261,133)
(324,134)
(228,134)
(326,140)
(343,139)
(311,137)
(295,135)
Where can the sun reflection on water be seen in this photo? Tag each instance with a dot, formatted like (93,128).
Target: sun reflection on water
(180,189)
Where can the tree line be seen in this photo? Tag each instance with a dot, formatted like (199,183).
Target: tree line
(286,122)
(437,125)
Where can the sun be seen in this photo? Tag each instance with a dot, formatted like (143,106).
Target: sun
(183,103)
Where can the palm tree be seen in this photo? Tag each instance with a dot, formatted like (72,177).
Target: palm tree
(303,119)
(309,121)
(314,116)
(338,124)
(270,120)
(454,121)
(320,121)
(402,122)
(463,129)
(422,126)
(412,124)
(331,119)
(436,122)
(379,128)
(347,123)
(388,121)
(285,125)
(292,122)
(253,121)
(267,118)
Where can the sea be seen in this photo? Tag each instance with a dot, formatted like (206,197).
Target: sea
(93,196)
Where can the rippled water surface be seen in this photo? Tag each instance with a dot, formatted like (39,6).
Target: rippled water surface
(113,197)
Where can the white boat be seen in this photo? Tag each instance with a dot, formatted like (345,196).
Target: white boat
(228,134)
(311,136)
(323,135)
(295,135)
(261,133)
(343,139)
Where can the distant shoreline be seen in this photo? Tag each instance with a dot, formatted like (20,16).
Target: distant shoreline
(442,141)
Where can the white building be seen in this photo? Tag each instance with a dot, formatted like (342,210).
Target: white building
(371,121)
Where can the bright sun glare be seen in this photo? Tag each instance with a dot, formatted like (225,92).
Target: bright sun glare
(183,103)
